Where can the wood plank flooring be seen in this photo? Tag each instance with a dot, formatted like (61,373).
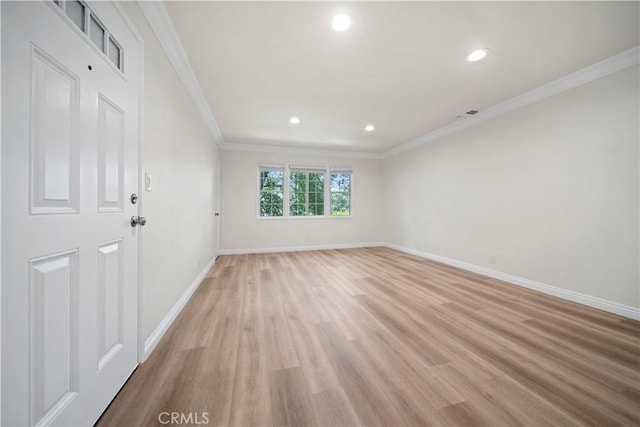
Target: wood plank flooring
(377,337)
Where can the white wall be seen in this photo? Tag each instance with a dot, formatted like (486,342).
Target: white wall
(179,238)
(551,189)
(241,229)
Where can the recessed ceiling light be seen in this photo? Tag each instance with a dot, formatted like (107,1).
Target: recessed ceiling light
(294,120)
(477,55)
(369,128)
(341,22)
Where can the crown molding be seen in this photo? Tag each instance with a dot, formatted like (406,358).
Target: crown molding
(162,26)
(233,146)
(593,72)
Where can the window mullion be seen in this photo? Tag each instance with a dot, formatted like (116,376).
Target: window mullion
(306,198)
(327,193)
(349,193)
(286,203)
(105,42)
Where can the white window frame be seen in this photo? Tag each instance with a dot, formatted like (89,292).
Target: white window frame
(286,214)
(307,170)
(285,190)
(350,173)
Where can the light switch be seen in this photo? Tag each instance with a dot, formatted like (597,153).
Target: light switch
(147,181)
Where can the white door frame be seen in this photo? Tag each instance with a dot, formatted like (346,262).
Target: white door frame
(218,210)
(0,214)
(141,351)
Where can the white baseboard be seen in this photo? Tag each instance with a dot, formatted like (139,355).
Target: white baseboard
(599,303)
(297,248)
(151,342)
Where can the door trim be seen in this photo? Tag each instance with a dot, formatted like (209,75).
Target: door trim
(0,214)
(218,210)
(136,34)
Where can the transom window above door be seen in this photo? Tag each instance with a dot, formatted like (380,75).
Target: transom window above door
(290,191)
(80,14)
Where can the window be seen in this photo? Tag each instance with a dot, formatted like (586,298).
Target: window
(340,192)
(114,52)
(86,20)
(288,191)
(306,192)
(271,191)
(75,11)
(96,33)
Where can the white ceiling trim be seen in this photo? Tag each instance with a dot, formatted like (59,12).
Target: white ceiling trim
(300,150)
(161,24)
(593,72)
(625,59)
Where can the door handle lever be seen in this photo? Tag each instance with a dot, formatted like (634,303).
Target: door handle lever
(135,220)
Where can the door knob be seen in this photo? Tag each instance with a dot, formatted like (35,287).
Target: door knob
(135,220)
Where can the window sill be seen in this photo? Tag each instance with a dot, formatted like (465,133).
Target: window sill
(314,217)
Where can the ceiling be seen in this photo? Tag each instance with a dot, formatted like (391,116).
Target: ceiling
(401,66)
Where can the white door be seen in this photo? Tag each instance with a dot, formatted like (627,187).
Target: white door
(70,113)
(217,199)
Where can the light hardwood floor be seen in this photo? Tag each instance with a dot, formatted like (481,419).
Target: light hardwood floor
(377,337)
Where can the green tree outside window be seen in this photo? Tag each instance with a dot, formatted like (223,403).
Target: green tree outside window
(306,193)
(340,194)
(271,192)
